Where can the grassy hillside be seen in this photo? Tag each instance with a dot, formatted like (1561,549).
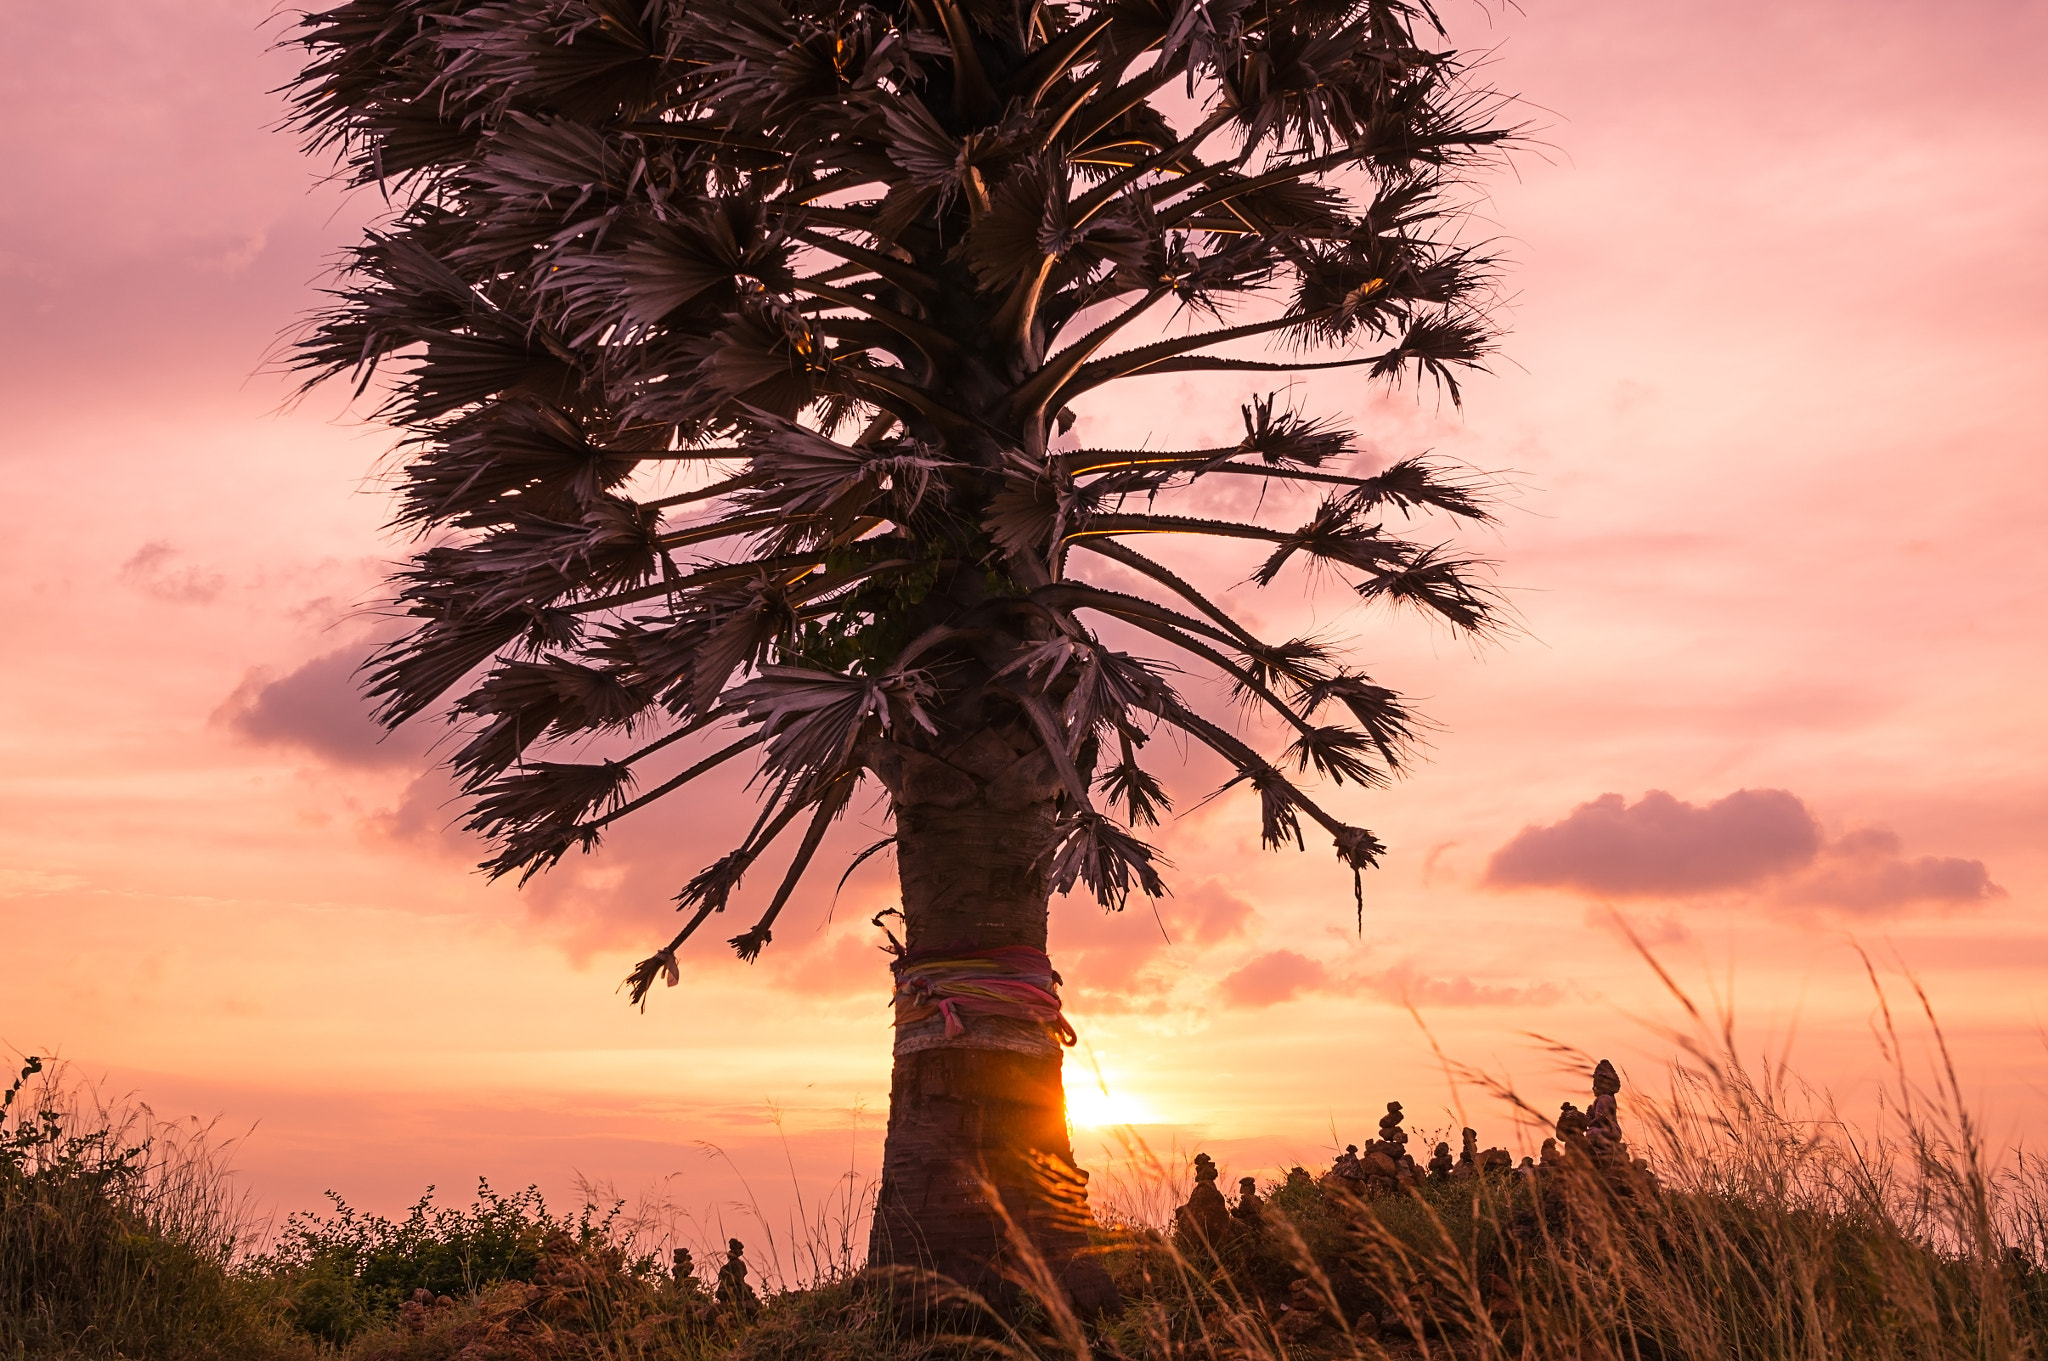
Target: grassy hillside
(1739,1224)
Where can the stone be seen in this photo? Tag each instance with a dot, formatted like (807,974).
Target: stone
(1307,1313)
(1571,1127)
(1378,1171)
(1205,1219)
(1249,1210)
(1440,1163)
(1603,1120)
(1302,1189)
(733,1291)
(1391,1133)
(1393,1144)
(1468,1155)
(1346,1176)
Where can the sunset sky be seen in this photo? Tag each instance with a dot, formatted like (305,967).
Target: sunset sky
(1772,429)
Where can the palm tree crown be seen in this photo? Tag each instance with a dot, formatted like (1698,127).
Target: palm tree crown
(845,270)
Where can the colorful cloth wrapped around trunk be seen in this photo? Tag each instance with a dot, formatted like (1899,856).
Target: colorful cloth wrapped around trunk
(1010,980)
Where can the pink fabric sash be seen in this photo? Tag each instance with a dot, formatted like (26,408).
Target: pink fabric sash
(1010,980)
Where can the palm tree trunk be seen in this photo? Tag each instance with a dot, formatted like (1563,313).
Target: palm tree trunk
(977,1122)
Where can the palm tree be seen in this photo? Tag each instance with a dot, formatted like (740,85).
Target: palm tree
(845,271)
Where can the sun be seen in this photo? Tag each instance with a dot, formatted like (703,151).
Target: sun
(1095,1105)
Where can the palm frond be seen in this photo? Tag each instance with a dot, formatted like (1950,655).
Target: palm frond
(732,341)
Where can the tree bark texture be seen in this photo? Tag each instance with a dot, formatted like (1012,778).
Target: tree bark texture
(977,1122)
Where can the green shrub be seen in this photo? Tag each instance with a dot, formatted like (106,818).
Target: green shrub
(347,1271)
(118,1238)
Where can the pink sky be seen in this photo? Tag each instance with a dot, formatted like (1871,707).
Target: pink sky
(1772,406)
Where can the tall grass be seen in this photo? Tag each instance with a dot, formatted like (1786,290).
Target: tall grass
(1758,1223)
(820,1239)
(1751,1222)
(119,1231)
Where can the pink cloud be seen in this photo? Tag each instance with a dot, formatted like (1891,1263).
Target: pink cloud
(319,708)
(1282,975)
(1274,977)
(1208,913)
(1114,956)
(1660,846)
(1866,873)
(426,819)
(847,963)
(1405,984)
(156,571)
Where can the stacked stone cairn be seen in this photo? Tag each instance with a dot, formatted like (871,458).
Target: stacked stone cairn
(1384,1167)
(1571,1128)
(1249,1211)
(1204,1222)
(1313,1311)
(733,1293)
(1597,1134)
(1603,1121)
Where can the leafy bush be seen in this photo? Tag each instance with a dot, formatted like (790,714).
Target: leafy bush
(347,1271)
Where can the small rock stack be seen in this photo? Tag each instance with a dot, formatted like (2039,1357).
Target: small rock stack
(1205,1220)
(1384,1166)
(1595,1134)
(1249,1210)
(733,1292)
(1393,1139)
(1603,1121)
(1440,1164)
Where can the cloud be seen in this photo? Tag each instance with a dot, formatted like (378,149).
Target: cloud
(26,883)
(1866,873)
(1404,984)
(1124,961)
(318,708)
(1282,975)
(849,962)
(425,818)
(1272,978)
(1763,840)
(154,571)
(1207,913)
(1660,846)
